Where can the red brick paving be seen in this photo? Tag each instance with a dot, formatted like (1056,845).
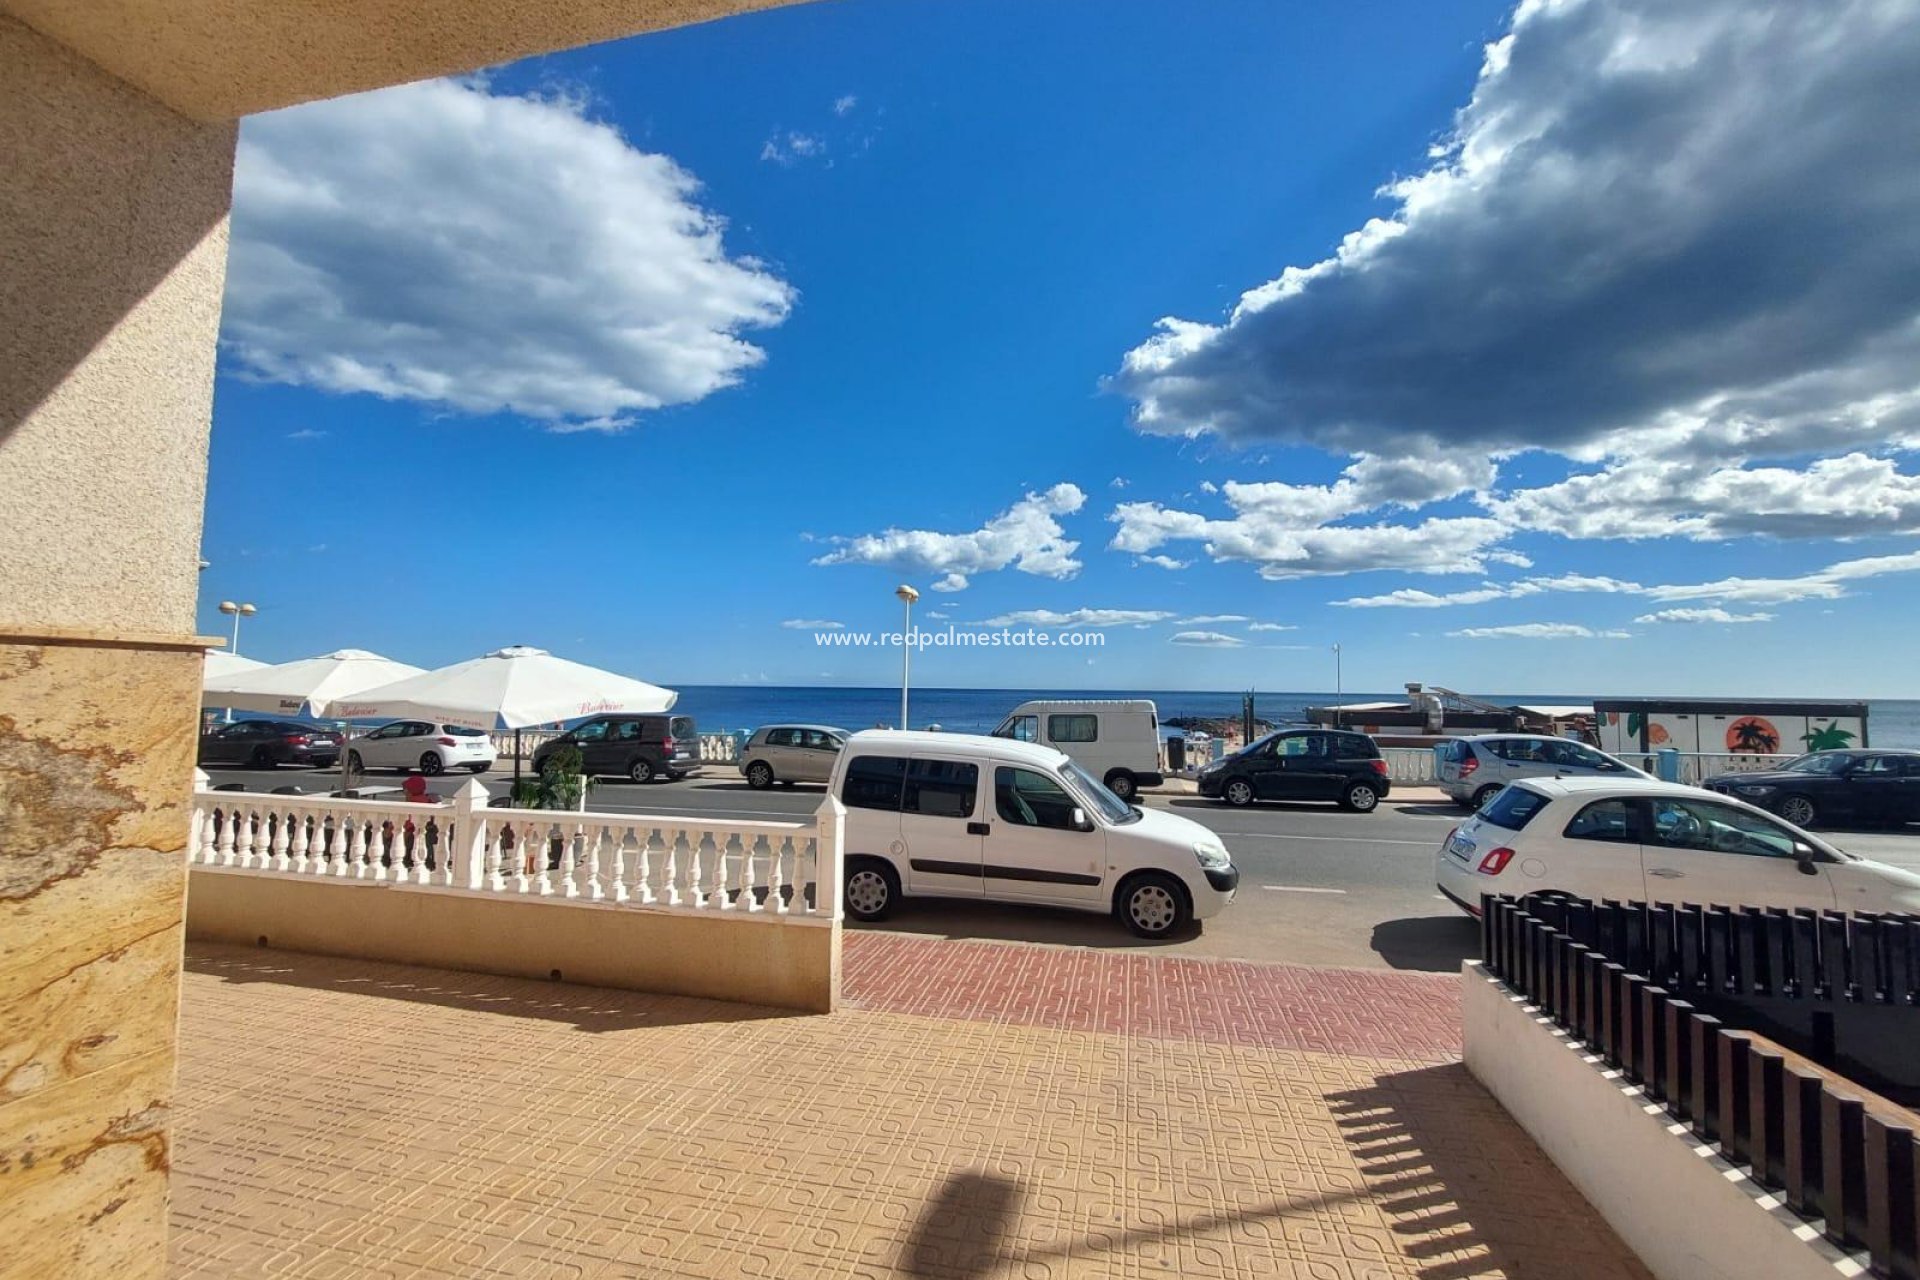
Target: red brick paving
(1356,1012)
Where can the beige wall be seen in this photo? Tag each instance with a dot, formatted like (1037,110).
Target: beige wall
(220,59)
(1690,1216)
(113,237)
(766,960)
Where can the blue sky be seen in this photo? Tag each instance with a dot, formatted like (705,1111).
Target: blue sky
(1570,349)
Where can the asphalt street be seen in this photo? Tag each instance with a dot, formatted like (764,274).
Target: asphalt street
(1318,886)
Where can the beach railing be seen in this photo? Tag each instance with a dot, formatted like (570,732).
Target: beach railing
(655,861)
(719,748)
(1410,766)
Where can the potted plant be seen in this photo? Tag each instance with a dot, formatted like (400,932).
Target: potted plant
(560,784)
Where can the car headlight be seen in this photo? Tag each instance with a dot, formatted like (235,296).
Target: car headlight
(1755,790)
(1212,854)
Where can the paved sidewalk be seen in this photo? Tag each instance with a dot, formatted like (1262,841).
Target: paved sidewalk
(984,1110)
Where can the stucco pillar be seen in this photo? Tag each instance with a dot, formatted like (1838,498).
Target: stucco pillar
(112,259)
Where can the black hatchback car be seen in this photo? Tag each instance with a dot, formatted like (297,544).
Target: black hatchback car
(1302,764)
(1828,787)
(264,744)
(643,747)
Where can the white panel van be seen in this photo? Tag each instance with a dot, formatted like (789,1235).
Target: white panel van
(954,815)
(1117,740)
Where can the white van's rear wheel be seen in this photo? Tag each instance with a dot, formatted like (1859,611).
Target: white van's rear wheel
(1121,783)
(872,889)
(1153,905)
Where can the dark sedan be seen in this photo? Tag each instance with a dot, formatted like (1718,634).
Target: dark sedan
(263,744)
(1833,787)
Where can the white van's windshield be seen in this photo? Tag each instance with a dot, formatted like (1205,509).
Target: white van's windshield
(1094,794)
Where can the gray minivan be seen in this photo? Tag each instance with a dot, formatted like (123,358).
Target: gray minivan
(1472,770)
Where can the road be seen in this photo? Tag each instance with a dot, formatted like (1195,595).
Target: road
(1318,886)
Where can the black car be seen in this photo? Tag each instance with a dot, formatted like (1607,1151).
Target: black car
(1302,764)
(1829,787)
(643,747)
(263,744)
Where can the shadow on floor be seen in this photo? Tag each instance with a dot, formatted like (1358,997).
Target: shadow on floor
(961,919)
(588,1008)
(963,1232)
(1464,1187)
(1434,944)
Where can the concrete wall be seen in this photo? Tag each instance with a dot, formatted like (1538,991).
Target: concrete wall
(113,236)
(1686,1212)
(786,963)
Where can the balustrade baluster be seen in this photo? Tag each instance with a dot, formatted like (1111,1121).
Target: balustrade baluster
(784,858)
(297,841)
(223,842)
(243,838)
(357,845)
(671,875)
(696,854)
(278,842)
(644,838)
(620,864)
(499,836)
(524,852)
(542,851)
(750,855)
(382,847)
(594,839)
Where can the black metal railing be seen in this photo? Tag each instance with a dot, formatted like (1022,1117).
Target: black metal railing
(1617,976)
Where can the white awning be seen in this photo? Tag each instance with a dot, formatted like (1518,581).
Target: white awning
(508,689)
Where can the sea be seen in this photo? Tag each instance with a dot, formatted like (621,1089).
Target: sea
(721,707)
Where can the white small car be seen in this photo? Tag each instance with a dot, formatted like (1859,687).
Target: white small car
(421,744)
(1640,841)
(950,815)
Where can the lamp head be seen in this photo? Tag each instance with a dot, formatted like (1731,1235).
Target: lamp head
(906,593)
(228,606)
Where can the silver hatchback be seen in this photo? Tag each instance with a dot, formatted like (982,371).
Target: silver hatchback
(1473,770)
(790,753)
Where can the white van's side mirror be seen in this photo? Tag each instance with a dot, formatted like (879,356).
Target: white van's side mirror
(1080,820)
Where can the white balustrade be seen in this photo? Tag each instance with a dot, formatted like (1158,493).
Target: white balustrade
(676,863)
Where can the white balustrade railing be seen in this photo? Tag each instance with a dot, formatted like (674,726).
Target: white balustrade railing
(721,748)
(672,863)
(1411,766)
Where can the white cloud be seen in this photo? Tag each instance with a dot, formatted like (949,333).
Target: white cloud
(1539,631)
(788,149)
(1271,626)
(1651,217)
(1715,614)
(1208,486)
(844,103)
(1414,598)
(1664,496)
(1207,639)
(440,243)
(1077,618)
(1164,562)
(1288,530)
(1201,619)
(813,624)
(1027,536)
(306,433)
(1118,482)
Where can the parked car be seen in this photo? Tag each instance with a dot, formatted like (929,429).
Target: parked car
(641,746)
(1301,764)
(948,815)
(1117,740)
(790,753)
(1642,841)
(1833,787)
(1472,770)
(426,745)
(265,744)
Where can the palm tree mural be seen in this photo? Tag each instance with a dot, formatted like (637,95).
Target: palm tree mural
(1754,736)
(1827,737)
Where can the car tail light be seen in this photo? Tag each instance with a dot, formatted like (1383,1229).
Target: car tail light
(667,744)
(1468,765)
(1496,861)
(447,742)
(296,739)
(1379,767)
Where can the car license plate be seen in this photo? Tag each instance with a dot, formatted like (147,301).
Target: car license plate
(1461,846)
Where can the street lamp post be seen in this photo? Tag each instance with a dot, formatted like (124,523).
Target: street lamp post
(1338,695)
(907,596)
(238,611)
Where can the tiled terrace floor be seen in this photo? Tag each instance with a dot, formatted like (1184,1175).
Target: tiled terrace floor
(985,1110)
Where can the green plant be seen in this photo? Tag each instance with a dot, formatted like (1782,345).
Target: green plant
(560,784)
(1827,737)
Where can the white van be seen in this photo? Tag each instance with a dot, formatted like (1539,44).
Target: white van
(951,815)
(1116,740)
